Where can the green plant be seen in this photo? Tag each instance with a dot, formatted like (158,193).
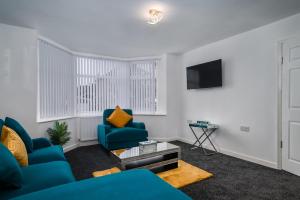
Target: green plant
(59,134)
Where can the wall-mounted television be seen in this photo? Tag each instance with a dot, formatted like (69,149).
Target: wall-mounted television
(205,75)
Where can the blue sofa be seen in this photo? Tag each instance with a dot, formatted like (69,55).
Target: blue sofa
(47,164)
(49,176)
(16,180)
(40,150)
(40,176)
(44,151)
(111,137)
(127,185)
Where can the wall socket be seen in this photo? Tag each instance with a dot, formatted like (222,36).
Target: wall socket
(245,128)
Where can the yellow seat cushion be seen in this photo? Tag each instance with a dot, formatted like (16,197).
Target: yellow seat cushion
(119,118)
(15,145)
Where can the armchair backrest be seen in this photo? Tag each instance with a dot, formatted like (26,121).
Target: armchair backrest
(108,112)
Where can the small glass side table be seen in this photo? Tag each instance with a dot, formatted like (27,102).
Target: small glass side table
(207,130)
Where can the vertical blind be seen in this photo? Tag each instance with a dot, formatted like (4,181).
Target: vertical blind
(143,86)
(56,82)
(105,83)
(72,85)
(101,84)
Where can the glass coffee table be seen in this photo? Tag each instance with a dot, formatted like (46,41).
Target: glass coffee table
(164,158)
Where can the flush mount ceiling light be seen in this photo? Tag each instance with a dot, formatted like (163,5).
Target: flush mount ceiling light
(155,16)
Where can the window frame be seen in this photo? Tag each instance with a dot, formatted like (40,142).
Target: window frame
(74,54)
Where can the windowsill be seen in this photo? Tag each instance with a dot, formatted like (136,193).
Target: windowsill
(95,115)
(150,114)
(54,119)
(134,114)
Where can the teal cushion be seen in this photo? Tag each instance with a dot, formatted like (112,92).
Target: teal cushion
(10,170)
(47,154)
(128,185)
(1,125)
(16,126)
(41,176)
(39,143)
(126,134)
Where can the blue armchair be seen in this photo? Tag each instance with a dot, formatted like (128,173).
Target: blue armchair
(111,137)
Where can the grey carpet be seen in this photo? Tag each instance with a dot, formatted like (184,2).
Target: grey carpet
(233,178)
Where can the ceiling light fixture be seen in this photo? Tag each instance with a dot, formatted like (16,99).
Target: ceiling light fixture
(155,16)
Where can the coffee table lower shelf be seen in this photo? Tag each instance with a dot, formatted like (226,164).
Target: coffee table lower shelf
(156,161)
(153,166)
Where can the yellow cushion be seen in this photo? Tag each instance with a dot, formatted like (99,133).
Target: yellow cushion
(15,145)
(119,118)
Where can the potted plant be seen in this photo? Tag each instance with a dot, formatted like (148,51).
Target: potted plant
(59,134)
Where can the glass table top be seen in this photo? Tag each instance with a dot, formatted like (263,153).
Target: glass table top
(135,151)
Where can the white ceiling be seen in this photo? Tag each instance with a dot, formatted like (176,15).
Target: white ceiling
(118,27)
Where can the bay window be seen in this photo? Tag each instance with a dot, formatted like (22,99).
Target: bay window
(77,85)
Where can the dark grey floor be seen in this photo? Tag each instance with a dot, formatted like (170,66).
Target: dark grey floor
(233,178)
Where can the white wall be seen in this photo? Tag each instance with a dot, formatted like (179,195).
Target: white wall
(18,75)
(18,80)
(249,93)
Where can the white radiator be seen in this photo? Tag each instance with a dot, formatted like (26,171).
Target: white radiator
(88,128)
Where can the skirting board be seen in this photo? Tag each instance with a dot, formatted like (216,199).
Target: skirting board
(93,142)
(88,143)
(237,155)
(222,150)
(70,147)
(164,139)
(79,144)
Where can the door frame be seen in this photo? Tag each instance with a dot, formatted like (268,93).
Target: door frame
(279,101)
(280,63)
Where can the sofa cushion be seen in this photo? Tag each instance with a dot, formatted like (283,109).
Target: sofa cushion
(15,145)
(119,118)
(126,134)
(108,112)
(41,176)
(127,185)
(16,126)
(47,154)
(10,171)
(39,143)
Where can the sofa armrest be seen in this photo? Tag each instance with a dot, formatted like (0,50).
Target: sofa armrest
(102,130)
(39,143)
(139,125)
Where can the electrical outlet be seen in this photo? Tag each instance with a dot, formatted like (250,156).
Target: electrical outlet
(245,128)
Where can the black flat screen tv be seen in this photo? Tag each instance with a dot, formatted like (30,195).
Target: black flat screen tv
(206,75)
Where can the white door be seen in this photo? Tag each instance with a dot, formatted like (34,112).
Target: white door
(291,106)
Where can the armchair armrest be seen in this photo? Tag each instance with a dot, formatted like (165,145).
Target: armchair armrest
(39,143)
(102,130)
(139,125)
